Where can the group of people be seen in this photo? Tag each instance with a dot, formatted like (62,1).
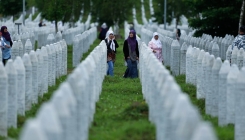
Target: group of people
(5,44)
(131,51)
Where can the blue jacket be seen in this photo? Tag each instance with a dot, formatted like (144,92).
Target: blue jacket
(5,50)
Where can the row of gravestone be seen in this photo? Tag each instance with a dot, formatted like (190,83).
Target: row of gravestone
(169,107)
(69,113)
(81,44)
(221,85)
(209,44)
(26,78)
(236,56)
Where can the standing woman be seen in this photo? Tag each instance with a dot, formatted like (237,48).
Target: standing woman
(111,44)
(156,46)
(7,39)
(131,55)
(178,34)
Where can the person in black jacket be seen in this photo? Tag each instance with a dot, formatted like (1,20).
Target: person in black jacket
(131,55)
(111,44)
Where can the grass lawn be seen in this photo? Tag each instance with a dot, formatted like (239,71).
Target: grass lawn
(121,112)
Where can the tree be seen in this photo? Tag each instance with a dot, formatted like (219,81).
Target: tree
(215,17)
(111,11)
(242,14)
(10,7)
(60,10)
(175,9)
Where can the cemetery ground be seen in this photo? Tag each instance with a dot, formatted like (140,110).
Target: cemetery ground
(121,112)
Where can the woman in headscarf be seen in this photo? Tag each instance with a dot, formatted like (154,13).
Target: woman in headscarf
(178,34)
(111,44)
(7,39)
(103,31)
(156,46)
(131,55)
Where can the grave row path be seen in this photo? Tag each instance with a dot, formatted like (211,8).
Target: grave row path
(121,112)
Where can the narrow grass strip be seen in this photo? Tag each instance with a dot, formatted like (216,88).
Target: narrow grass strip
(223,133)
(121,112)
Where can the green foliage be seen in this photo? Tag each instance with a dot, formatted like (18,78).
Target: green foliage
(175,8)
(60,10)
(223,133)
(215,17)
(11,7)
(111,11)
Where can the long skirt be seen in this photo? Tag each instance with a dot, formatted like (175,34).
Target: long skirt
(131,71)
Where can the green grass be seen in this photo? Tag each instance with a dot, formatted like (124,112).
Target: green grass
(223,133)
(15,132)
(121,112)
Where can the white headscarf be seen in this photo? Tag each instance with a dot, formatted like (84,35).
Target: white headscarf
(156,42)
(112,46)
(104,25)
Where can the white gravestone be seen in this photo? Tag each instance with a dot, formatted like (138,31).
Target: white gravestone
(50,67)
(3,101)
(175,46)
(240,55)
(234,55)
(215,50)
(214,87)
(204,131)
(28,46)
(183,58)
(240,106)
(34,63)
(199,75)
(224,70)
(231,94)
(12,93)
(32,131)
(15,50)
(194,66)
(208,97)
(21,48)
(188,59)
(204,75)
(28,81)
(45,69)
(21,72)
(40,73)
(51,126)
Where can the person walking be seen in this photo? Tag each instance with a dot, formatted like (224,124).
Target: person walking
(6,49)
(178,34)
(103,31)
(131,55)
(156,46)
(111,44)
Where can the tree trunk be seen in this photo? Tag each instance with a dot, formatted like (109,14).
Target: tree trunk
(56,26)
(241,15)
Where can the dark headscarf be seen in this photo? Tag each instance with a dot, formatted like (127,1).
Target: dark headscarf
(6,35)
(132,40)
(178,32)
